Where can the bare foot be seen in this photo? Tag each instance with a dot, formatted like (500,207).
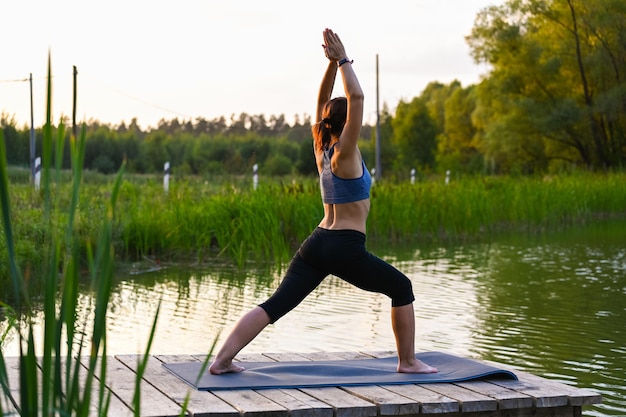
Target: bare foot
(219,369)
(416,367)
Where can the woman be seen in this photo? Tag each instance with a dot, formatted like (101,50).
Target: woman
(337,245)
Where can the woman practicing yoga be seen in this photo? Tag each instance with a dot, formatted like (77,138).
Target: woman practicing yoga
(337,245)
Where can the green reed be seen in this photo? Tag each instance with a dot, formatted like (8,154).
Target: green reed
(193,220)
(227,220)
(241,224)
(60,371)
(478,207)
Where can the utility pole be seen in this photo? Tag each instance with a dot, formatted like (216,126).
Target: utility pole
(32,133)
(74,104)
(378,167)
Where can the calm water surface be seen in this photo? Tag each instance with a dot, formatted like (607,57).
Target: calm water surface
(553,305)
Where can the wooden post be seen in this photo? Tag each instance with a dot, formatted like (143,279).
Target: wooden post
(166,177)
(32,133)
(378,167)
(74,104)
(37,176)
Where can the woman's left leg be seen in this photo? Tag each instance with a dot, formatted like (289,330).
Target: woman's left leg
(403,324)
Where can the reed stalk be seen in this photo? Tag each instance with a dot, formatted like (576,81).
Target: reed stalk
(58,370)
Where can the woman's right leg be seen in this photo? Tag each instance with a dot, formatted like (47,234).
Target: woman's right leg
(246,329)
(300,279)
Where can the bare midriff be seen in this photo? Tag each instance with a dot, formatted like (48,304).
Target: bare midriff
(351,216)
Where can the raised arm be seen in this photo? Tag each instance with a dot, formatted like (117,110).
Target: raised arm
(335,51)
(326,88)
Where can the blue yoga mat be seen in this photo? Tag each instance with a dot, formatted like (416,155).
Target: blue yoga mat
(333,373)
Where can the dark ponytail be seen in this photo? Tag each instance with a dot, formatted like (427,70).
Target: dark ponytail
(333,119)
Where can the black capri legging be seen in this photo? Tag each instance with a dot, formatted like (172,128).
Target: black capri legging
(341,253)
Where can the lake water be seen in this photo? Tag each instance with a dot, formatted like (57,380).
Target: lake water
(552,304)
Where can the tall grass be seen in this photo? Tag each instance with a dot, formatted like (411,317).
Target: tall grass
(480,207)
(52,379)
(242,224)
(234,223)
(231,222)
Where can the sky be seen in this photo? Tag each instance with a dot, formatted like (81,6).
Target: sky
(187,59)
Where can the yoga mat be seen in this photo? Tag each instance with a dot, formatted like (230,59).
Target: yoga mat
(333,373)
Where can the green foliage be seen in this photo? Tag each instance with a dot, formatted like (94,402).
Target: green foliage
(414,135)
(278,165)
(556,89)
(456,150)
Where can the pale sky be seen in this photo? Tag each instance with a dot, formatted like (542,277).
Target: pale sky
(191,58)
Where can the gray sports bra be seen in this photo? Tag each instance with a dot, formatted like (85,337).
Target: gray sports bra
(336,190)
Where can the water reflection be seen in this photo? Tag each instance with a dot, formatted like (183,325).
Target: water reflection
(551,305)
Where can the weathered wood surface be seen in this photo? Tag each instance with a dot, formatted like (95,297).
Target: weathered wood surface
(164,394)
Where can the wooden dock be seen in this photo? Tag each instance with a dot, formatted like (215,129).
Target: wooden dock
(162,394)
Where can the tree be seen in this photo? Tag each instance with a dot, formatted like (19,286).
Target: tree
(16,142)
(456,148)
(556,90)
(414,135)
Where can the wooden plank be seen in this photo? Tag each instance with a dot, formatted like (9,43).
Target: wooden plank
(430,402)
(251,403)
(507,399)
(576,396)
(253,357)
(351,355)
(121,381)
(470,401)
(201,403)
(344,404)
(116,407)
(286,356)
(566,411)
(388,402)
(321,356)
(543,396)
(298,403)
(307,405)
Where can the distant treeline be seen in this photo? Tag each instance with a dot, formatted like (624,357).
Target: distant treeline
(554,99)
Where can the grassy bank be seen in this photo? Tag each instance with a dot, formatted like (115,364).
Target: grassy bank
(202,221)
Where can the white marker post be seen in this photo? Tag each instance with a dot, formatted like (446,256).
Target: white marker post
(373,173)
(255,175)
(447,176)
(413,176)
(37,173)
(166,177)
